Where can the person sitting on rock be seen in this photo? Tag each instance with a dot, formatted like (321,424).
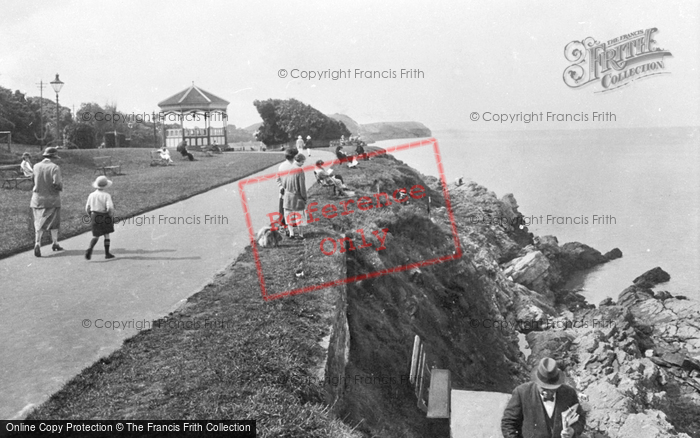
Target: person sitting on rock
(544,407)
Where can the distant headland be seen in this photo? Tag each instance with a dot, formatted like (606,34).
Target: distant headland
(371,132)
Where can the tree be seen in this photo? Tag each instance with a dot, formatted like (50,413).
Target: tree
(142,135)
(17,115)
(97,117)
(237,135)
(82,134)
(284,120)
(22,116)
(41,106)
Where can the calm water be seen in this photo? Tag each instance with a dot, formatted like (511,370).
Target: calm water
(646,181)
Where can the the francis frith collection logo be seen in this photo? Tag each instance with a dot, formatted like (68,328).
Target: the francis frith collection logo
(614,63)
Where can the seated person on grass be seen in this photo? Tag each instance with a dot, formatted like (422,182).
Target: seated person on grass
(27,165)
(182,148)
(342,156)
(325,176)
(360,153)
(165,156)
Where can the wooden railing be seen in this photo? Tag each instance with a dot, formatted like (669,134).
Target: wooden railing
(432,387)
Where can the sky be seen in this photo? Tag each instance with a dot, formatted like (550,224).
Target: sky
(501,57)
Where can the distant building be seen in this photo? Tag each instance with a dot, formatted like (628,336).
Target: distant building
(195,110)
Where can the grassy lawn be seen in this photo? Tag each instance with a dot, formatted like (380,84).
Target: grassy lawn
(226,355)
(139,189)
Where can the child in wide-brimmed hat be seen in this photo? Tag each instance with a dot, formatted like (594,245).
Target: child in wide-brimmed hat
(101,210)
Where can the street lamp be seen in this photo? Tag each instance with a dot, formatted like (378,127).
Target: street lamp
(57,85)
(155,130)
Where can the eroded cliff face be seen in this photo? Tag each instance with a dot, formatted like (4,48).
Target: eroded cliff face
(468,311)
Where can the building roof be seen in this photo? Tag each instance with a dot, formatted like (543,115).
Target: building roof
(193,98)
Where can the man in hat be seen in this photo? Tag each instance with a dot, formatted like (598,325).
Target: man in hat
(46,199)
(544,407)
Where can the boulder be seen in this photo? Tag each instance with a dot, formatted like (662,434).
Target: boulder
(531,271)
(571,300)
(509,209)
(650,424)
(607,302)
(663,295)
(633,295)
(613,254)
(548,343)
(652,277)
(681,360)
(582,256)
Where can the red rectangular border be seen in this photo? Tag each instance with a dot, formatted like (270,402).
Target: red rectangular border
(458,248)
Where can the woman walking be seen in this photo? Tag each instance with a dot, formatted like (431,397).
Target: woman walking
(295,199)
(46,199)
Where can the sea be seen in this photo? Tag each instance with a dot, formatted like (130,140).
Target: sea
(633,189)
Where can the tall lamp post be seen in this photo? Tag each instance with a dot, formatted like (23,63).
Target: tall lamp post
(57,85)
(155,131)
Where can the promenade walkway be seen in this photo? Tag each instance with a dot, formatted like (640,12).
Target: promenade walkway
(477,414)
(57,312)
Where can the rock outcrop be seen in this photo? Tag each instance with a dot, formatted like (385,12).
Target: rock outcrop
(531,270)
(652,277)
(635,364)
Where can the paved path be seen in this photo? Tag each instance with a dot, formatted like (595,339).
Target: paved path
(45,303)
(477,414)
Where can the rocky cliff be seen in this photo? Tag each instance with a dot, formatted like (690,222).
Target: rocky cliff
(635,363)
(468,311)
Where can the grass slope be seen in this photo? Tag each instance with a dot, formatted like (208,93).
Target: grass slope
(226,355)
